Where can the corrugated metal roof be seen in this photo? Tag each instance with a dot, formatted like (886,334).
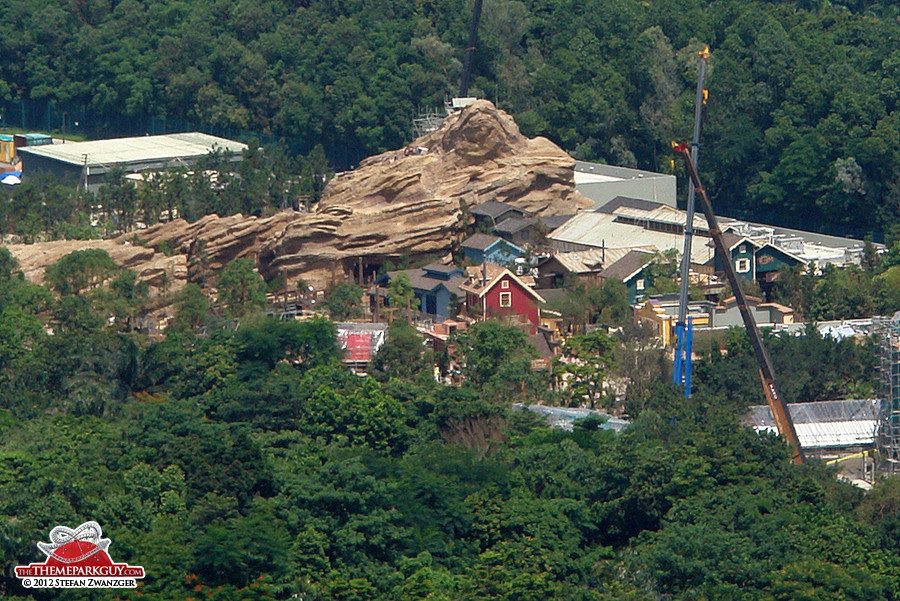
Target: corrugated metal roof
(136,150)
(360,341)
(825,424)
(662,214)
(596,229)
(583,261)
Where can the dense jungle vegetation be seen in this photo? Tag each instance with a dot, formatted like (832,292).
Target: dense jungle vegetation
(801,127)
(239,459)
(242,460)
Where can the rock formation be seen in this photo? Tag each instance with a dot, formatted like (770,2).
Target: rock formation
(410,202)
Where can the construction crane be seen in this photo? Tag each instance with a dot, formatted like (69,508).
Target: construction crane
(681,373)
(776,402)
(470,49)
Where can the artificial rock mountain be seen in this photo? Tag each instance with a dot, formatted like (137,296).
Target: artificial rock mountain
(405,202)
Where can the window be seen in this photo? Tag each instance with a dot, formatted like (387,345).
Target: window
(639,284)
(742,265)
(505,284)
(506,299)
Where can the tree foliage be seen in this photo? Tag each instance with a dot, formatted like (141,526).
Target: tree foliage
(344,301)
(241,289)
(800,127)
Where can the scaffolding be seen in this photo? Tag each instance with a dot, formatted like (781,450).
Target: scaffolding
(427,121)
(889,367)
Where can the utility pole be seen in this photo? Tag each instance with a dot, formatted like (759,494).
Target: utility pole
(681,374)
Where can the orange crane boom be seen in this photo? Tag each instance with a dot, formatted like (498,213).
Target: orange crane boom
(776,402)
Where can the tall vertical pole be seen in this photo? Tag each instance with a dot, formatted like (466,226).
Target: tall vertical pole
(683,357)
(470,49)
(775,400)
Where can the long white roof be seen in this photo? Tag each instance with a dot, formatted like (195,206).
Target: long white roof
(605,228)
(825,424)
(595,230)
(139,149)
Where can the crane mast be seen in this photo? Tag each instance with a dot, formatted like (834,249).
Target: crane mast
(775,400)
(681,374)
(470,49)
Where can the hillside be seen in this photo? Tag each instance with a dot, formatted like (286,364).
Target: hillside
(396,203)
(801,127)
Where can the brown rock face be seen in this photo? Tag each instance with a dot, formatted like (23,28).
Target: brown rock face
(413,203)
(410,201)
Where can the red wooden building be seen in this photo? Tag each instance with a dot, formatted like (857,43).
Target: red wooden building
(494,291)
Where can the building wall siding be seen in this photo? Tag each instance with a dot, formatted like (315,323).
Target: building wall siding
(521,302)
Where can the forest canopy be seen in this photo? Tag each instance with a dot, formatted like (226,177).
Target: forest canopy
(238,458)
(801,128)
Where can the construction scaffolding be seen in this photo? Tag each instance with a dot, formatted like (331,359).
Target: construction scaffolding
(889,366)
(427,121)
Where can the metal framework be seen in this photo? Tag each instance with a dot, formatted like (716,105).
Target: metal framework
(427,121)
(889,367)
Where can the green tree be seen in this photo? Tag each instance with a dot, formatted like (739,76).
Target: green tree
(191,307)
(241,289)
(496,359)
(587,364)
(401,295)
(402,355)
(80,271)
(344,301)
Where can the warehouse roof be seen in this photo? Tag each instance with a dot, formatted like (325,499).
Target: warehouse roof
(825,424)
(137,150)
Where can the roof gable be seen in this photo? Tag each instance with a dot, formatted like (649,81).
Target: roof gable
(768,246)
(494,209)
(628,266)
(496,274)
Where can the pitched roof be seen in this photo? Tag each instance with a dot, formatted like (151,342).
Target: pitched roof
(593,229)
(420,280)
(494,274)
(494,209)
(784,252)
(441,269)
(480,241)
(514,224)
(731,240)
(586,261)
(486,270)
(628,266)
(553,295)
